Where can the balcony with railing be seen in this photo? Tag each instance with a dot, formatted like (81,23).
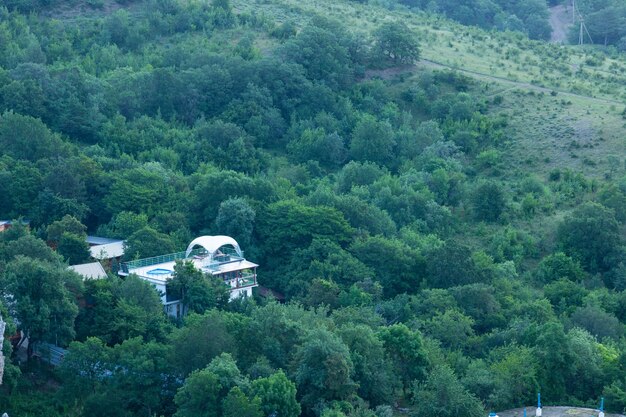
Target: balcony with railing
(208,264)
(127,267)
(247,279)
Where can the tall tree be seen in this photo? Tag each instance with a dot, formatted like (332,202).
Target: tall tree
(73,248)
(198,291)
(238,404)
(488,201)
(277,394)
(43,302)
(146,243)
(591,235)
(323,369)
(396,42)
(372,140)
(199,395)
(235,218)
(405,348)
(68,224)
(443,395)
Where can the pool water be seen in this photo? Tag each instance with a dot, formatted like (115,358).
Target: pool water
(160,271)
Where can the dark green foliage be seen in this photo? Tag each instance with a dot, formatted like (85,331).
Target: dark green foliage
(116,310)
(557,266)
(450,265)
(590,234)
(137,190)
(530,17)
(27,245)
(604,21)
(237,404)
(612,196)
(23,137)
(554,358)
(139,380)
(287,225)
(515,371)
(199,396)
(321,259)
(353,187)
(73,248)
(201,339)
(396,266)
(488,201)
(406,351)
(564,295)
(374,374)
(323,370)
(479,302)
(452,328)
(326,51)
(277,394)
(67,224)
(443,395)
(124,224)
(397,43)
(327,148)
(598,322)
(45,292)
(356,173)
(197,291)
(235,218)
(372,141)
(210,190)
(146,243)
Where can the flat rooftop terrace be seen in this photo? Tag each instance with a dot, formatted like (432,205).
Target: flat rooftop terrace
(159,269)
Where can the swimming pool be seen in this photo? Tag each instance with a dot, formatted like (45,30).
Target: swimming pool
(160,271)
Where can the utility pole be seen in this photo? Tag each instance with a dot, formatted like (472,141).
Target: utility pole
(538,410)
(580,35)
(583,27)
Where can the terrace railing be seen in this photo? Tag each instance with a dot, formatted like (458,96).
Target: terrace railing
(245,280)
(126,267)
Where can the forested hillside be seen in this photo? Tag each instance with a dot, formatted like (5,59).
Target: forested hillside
(441,207)
(605,21)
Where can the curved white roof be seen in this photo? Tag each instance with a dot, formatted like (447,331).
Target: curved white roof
(213,243)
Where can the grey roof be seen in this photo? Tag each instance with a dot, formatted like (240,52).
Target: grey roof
(108,250)
(50,353)
(97,240)
(93,270)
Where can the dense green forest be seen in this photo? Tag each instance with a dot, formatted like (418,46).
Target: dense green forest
(605,20)
(433,255)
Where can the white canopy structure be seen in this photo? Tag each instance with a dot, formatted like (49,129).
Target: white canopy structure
(216,256)
(212,244)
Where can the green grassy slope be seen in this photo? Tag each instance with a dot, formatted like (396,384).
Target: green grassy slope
(578,128)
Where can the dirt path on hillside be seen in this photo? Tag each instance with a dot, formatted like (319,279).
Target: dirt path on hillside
(393,72)
(480,75)
(560,20)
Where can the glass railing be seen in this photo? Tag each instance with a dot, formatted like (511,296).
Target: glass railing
(245,280)
(140,263)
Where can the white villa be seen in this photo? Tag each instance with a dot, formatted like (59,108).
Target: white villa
(219,256)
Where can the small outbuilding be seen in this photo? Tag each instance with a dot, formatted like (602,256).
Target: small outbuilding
(92,270)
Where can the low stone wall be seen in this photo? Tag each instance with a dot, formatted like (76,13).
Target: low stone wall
(555,412)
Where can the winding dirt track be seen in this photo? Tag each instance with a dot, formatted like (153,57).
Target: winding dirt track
(392,72)
(560,20)
(476,74)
